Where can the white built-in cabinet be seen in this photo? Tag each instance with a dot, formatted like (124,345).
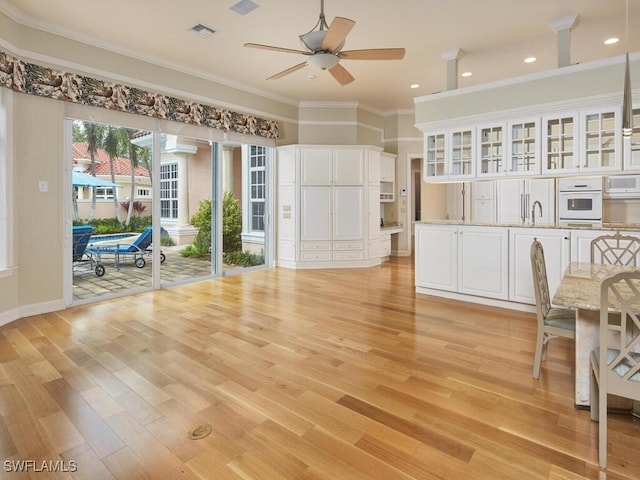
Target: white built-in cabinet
(463,259)
(517,197)
(328,206)
(631,145)
(387,177)
(556,245)
(491,149)
(484,206)
(450,154)
(524,153)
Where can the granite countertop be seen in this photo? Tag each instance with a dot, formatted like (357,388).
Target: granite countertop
(603,226)
(392,227)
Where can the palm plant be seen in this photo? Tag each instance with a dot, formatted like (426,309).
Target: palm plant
(112,147)
(94,133)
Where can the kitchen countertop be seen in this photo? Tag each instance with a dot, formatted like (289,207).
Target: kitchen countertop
(392,228)
(604,226)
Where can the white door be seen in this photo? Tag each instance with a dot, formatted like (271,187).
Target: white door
(437,257)
(483,261)
(348,213)
(555,244)
(315,213)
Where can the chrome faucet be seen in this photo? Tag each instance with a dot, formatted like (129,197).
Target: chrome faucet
(533,211)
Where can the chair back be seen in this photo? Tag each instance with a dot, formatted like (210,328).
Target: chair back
(619,353)
(540,282)
(144,240)
(81,236)
(615,250)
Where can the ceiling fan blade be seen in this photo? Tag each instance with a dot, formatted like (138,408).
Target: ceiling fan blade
(373,54)
(275,49)
(341,75)
(288,71)
(338,31)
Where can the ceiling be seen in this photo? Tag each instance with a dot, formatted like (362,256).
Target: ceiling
(494,35)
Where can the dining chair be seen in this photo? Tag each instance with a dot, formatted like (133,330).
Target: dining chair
(615,249)
(552,321)
(615,364)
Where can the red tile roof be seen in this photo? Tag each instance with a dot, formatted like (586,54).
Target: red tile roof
(121,166)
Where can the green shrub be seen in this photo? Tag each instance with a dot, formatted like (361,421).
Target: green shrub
(231,224)
(243,259)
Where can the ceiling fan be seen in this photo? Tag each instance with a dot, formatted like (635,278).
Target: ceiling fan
(324,44)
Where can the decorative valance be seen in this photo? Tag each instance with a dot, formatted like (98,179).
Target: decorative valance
(26,77)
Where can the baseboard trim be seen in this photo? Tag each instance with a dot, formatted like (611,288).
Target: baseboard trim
(30,310)
(492,302)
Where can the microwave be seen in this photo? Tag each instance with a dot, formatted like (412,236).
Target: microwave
(622,186)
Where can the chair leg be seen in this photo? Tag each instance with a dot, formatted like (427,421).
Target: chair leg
(537,359)
(594,397)
(602,428)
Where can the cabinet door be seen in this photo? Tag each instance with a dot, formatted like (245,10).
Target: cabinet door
(375,167)
(511,202)
(348,166)
(556,247)
(600,140)
(491,150)
(542,190)
(348,213)
(315,166)
(461,153)
(560,141)
(458,204)
(581,243)
(436,257)
(484,211)
(387,168)
(523,147)
(374,211)
(434,156)
(483,261)
(315,213)
(631,147)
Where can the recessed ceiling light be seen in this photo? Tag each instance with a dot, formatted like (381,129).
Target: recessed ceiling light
(244,6)
(312,76)
(203,30)
(466,74)
(530,59)
(414,85)
(611,41)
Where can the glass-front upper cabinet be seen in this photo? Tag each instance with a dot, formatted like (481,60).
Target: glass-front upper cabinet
(559,142)
(524,147)
(632,144)
(491,150)
(600,140)
(434,156)
(461,153)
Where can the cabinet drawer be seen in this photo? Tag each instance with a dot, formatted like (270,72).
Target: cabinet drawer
(348,255)
(314,246)
(311,256)
(348,245)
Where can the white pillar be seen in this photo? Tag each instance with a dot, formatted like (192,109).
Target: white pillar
(562,27)
(183,190)
(452,58)
(227,169)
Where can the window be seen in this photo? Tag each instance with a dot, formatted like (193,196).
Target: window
(257,187)
(169,191)
(104,193)
(144,192)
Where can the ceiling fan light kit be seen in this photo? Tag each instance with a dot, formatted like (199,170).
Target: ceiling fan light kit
(324,49)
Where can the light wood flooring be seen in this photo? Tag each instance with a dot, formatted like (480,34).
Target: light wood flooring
(309,375)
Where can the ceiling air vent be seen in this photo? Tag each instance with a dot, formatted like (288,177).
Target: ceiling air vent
(203,30)
(244,6)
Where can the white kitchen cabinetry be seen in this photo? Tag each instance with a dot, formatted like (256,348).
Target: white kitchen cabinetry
(600,140)
(560,143)
(465,259)
(491,151)
(581,242)
(385,244)
(325,208)
(484,202)
(449,155)
(436,258)
(631,147)
(523,147)
(516,199)
(387,177)
(458,201)
(556,245)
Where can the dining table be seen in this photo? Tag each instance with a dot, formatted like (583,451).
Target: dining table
(579,289)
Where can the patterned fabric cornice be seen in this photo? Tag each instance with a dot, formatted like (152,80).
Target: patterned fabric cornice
(34,79)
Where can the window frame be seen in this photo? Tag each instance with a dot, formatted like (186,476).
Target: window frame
(172,198)
(7,206)
(257,190)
